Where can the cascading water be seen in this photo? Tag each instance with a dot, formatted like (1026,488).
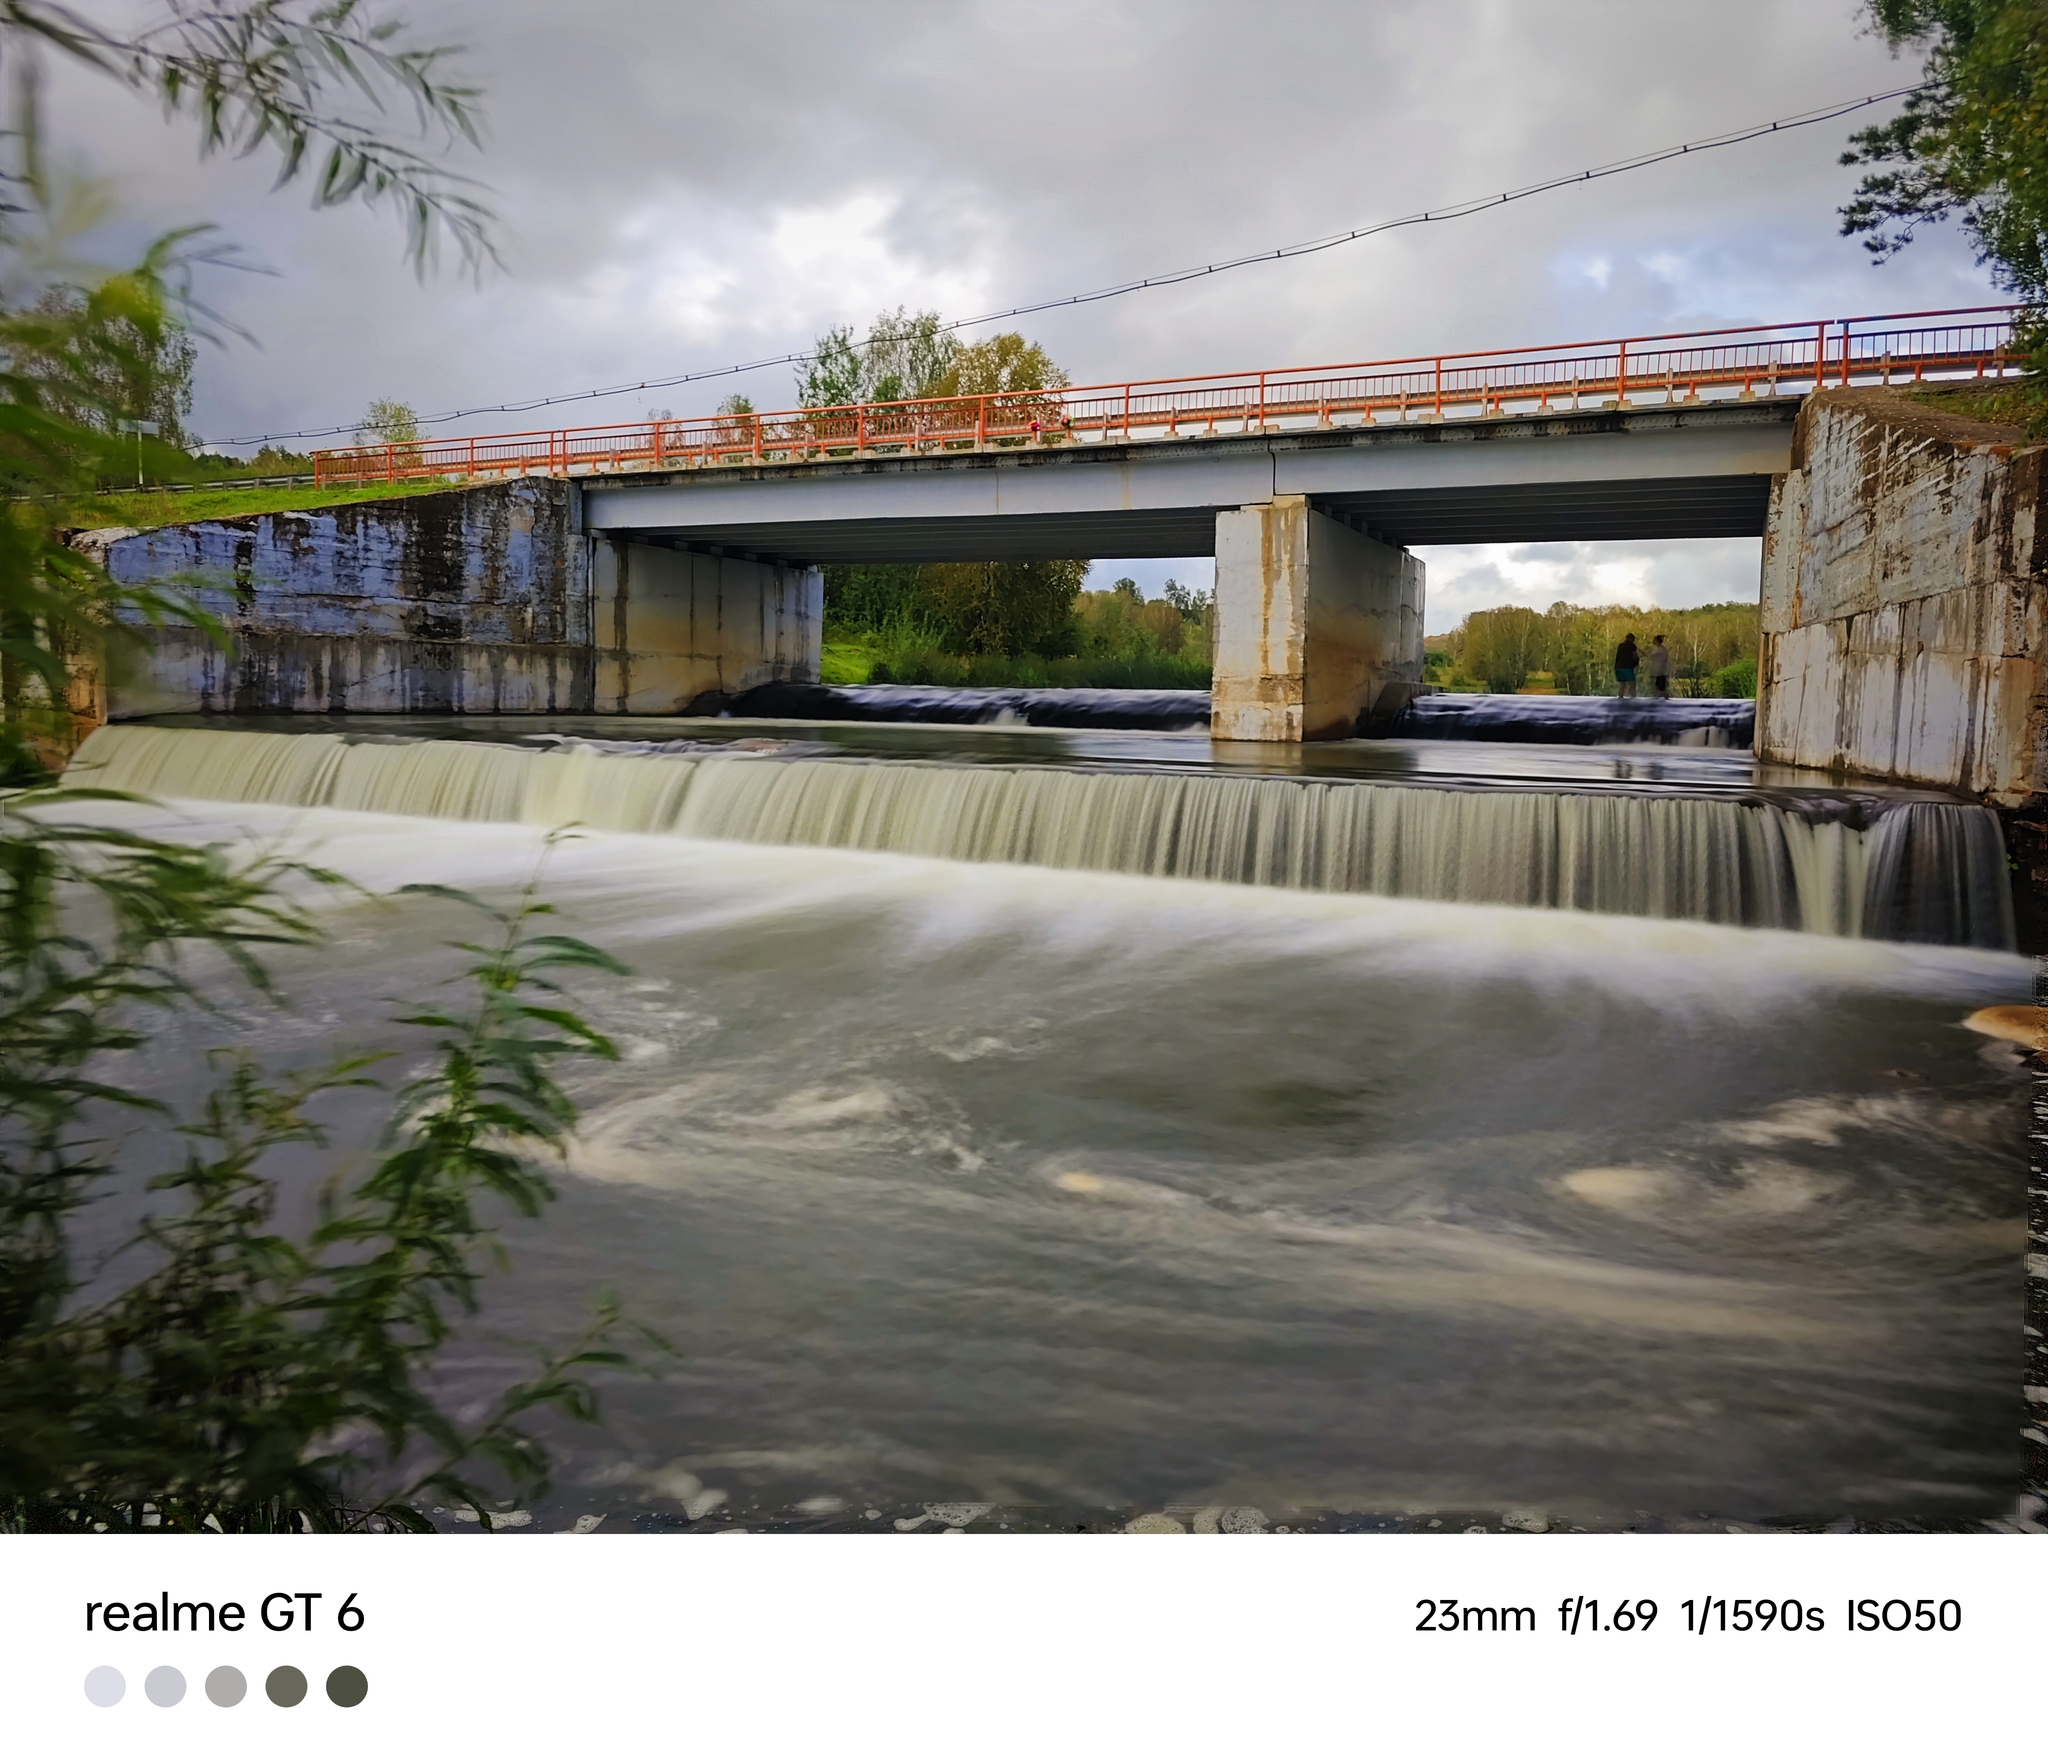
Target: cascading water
(1925,871)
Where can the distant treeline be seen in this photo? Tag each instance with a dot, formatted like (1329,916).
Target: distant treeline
(1713,648)
(1021,623)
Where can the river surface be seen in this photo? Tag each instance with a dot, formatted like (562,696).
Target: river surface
(1080,1195)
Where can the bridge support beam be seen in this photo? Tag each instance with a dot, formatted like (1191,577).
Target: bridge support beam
(673,627)
(1315,624)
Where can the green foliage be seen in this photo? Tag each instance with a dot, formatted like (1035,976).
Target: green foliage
(389,423)
(57,609)
(905,355)
(150,509)
(270,460)
(1106,639)
(122,357)
(275,74)
(262,75)
(1736,681)
(215,1371)
(1002,607)
(1974,145)
(971,609)
(1499,649)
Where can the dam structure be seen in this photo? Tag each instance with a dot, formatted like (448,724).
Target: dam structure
(1187,1106)
(1882,866)
(638,569)
(674,569)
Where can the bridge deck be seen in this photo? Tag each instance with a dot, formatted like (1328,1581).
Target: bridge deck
(1702,470)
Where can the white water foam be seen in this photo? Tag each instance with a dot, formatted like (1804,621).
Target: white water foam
(1927,871)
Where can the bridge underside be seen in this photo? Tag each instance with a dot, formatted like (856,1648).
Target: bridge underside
(1594,511)
(1614,476)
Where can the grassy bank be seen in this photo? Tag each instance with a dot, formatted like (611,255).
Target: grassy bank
(854,656)
(152,507)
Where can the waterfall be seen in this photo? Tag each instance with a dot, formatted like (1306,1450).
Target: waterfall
(1925,871)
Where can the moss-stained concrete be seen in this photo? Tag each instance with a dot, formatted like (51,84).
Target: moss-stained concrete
(1903,599)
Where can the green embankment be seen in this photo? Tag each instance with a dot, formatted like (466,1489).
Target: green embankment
(856,655)
(150,508)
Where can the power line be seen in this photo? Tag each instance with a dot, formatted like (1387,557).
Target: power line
(1314,246)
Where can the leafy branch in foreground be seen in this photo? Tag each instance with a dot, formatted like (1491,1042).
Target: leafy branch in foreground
(274,74)
(213,1371)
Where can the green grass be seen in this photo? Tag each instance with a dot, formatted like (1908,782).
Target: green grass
(853,656)
(149,509)
(2002,403)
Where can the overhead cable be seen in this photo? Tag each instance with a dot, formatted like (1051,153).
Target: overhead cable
(1287,252)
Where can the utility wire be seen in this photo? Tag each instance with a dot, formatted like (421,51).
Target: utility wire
(1314,246)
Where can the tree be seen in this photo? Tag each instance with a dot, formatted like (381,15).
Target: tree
(1005,607)
(1973,144)
(973,607)
(1192,607)
(245,1378)
(115,360)
(276,75)
(906,355)
(1000,365)
(389,423)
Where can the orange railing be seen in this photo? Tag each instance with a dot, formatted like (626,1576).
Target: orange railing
(1783,359)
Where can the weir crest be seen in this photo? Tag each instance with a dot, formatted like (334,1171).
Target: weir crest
(1927,871)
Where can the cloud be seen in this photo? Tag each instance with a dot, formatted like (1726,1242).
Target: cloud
(687,187)
(1664,575)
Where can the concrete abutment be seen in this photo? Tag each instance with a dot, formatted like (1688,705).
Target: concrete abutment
(488,599)
(1316,625)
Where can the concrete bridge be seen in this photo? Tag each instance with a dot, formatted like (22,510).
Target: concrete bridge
(1309,486)
(1318,601)
(635,569)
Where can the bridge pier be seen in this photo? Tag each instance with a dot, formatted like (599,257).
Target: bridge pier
(1314,622)
(673,627)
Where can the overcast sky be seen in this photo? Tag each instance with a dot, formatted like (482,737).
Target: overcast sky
(686,186)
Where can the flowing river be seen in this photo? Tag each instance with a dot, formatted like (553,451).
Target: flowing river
(1088,1127)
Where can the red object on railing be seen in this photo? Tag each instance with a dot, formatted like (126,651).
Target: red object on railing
(1501,383)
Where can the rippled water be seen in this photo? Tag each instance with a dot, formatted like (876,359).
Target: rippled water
(959,1182)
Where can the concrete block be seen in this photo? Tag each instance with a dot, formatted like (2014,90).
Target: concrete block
(1903,600)
(1312,622)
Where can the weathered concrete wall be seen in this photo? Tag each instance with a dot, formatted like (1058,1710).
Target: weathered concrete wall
(469,601)
(672,625)
(1312,623)
(1903,601)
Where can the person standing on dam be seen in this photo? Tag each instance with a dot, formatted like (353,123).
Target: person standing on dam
(1660,668)
(1625,662)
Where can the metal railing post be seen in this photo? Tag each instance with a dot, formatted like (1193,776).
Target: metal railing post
(1439,387)
(757,438)
(981,424)
(472,456)
(390,462)
(1621,374)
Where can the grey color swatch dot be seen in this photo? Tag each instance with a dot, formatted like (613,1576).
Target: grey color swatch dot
(165,1686)
(285,1686)
(226,1686)
(348,1685)
(104,1686)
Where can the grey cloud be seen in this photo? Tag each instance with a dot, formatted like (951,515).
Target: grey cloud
(659,165)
